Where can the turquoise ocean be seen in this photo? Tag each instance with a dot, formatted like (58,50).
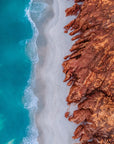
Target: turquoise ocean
(17,36)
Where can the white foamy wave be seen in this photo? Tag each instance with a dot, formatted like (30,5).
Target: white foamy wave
(30,100)
(31,45)
(31,103)
(32,136)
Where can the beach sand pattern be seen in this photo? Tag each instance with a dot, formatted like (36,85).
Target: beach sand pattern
(51,91)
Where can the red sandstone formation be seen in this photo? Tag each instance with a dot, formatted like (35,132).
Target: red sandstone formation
(89,70)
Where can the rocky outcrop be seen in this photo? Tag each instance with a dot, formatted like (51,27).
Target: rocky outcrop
(89,70)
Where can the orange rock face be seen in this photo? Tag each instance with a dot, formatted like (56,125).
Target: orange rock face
(89,70)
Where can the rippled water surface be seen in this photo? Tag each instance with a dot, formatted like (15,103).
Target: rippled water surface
(15,69)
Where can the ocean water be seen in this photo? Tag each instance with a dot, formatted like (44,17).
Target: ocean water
(16,32)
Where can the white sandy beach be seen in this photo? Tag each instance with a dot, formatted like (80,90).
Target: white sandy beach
(53,127)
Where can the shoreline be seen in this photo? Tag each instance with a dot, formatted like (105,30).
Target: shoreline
(38,24)
(30,99)
(50,89)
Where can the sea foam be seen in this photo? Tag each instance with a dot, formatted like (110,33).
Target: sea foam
(30,100)
(31,44)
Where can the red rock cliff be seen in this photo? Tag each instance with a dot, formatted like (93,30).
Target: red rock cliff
(89,70)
